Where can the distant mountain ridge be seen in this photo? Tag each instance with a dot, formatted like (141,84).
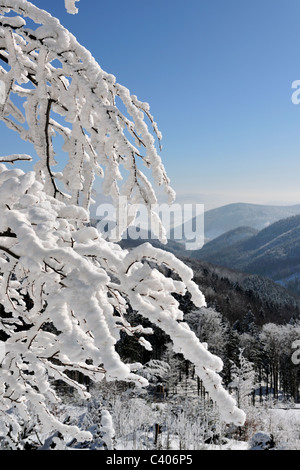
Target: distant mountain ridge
(273,252)
(222,219)
(227,239)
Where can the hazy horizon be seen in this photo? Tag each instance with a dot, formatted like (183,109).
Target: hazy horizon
(210,201)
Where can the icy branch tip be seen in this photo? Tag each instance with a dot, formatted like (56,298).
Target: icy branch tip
(70,6)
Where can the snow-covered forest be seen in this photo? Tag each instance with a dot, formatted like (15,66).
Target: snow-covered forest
(100,348)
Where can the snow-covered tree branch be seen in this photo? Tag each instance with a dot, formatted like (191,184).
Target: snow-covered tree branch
(64,288)
(71,7)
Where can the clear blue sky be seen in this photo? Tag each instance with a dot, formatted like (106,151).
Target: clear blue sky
(217,75)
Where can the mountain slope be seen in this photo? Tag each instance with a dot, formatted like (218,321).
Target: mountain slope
(273,252)
(228,239)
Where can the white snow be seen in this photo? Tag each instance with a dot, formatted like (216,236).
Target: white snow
(70,6)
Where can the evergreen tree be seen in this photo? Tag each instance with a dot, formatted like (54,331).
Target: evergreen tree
(64,286)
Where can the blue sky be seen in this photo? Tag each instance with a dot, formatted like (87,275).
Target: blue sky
(217,75)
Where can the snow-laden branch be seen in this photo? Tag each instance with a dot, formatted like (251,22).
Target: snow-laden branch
(67,94)
(70,6)
(81,285)
(15,158)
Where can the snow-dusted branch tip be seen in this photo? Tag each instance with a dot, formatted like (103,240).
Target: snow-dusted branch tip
(15,158)
(70,6)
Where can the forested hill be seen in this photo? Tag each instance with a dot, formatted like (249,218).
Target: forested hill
(273,252)
(235,293)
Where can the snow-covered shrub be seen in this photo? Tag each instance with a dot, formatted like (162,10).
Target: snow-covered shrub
(261,441)
(192,423)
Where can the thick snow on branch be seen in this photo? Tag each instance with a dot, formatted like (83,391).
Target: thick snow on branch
(70,6)
(15,158)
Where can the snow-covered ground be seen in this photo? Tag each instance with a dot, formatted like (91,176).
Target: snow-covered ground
(182,427)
